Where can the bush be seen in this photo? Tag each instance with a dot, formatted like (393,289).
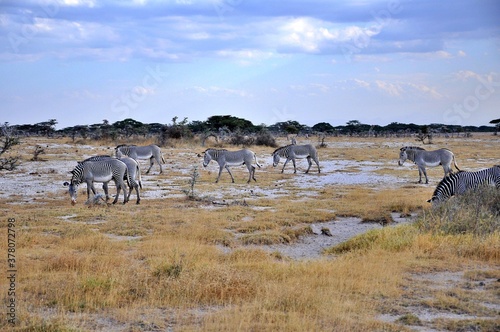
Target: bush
(476,212)
(265,138)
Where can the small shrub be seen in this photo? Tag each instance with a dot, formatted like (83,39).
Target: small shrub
(192,182)
(409,319)
(476,212)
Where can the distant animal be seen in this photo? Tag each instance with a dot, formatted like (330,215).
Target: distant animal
(423,158)
(458,183)
(151,152)
(98,171)
(227,158)
(292,152)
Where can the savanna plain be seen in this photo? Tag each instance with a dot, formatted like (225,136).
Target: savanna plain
(206,256)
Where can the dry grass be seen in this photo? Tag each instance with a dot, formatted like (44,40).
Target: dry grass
(187,264)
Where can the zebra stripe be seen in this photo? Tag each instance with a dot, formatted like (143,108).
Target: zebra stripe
(458,183)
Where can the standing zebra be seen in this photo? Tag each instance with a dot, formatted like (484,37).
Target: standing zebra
(227,158)
(292,151)
(151,152)
(458,183)
(99,171)
(423,158)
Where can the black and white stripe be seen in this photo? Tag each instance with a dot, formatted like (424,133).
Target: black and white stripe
(458,183)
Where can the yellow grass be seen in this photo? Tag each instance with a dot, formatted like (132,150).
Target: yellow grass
(194,265)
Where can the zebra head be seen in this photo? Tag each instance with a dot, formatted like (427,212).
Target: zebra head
(207,157)
(402,156)
(72,190)
(118,152)
(76,179)
(276,156)
(276,159)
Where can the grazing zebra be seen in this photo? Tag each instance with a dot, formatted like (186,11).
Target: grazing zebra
(460,182)
(292,151)
(151,152)
(424,158)
(99,171)
(134,174)
(227,158)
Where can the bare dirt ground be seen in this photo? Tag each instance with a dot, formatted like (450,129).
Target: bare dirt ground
(37,180)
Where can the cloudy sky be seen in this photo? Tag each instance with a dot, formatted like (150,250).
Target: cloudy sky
(83,61)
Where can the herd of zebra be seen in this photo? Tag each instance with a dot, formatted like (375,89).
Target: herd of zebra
(125,168)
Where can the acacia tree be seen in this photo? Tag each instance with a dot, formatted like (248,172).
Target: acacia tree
(7,142)
(496,122)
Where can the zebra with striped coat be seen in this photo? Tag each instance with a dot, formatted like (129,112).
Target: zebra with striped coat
(462,181)
(292,152)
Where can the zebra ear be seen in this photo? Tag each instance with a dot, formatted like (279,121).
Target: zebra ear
(66,183)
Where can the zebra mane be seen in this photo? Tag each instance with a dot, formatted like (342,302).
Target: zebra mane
(412,148)
(281,148)
(214,149)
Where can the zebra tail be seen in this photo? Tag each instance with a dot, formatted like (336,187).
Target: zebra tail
(127,175)
(139,176)
(162,159)
(455,162)
(255,157)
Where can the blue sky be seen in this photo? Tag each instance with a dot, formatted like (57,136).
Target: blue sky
(83,61)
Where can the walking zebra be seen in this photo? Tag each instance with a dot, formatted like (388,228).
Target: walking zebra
(151,152)
(98,171)
(292,151)
(423,158)
(460,182)
(227,158)
(134,174)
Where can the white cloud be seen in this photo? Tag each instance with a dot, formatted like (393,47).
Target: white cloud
(216,91)
(389,88)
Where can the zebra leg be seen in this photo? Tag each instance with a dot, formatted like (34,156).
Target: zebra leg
(229,171)
(158,160)
(138,201)
(90,186)
(151,162)
(251,175)
(310,164)
(130,189)
(106,192)
(425,174)
(286,161)
(317,163)
(294,166)
(118,187)
(419,175)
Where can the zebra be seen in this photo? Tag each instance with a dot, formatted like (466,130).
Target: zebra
(134,173)
(424,158)
(460,182)
(99,171)
(151,152)
(227,158)
(292,151)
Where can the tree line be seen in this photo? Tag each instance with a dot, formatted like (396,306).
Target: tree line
(227,124)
